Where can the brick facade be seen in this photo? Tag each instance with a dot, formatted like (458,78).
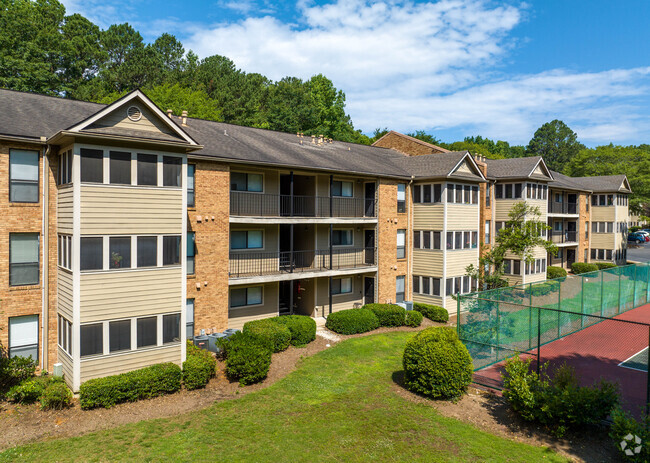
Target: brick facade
(407,145)
(584,217)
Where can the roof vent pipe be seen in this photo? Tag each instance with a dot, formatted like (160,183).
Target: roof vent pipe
(169,113)
(313,139)
(184,115)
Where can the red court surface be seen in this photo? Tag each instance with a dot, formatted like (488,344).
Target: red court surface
(597,352)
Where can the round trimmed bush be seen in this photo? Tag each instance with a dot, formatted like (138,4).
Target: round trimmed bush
(56,396)
(352,321)
(555,272)
(247,358)
(268,331)
(583,267)
(432,312)
(198,367)
(605,265)
(302,328)
(388,314)
(436,364)
(413,318)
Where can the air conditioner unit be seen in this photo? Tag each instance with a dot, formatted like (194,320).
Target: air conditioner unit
(408,305)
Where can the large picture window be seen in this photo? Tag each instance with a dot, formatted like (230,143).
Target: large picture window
(23,176)
(147,251)
(241,297)
(92,165)
(246,182)
(247,239)
(92,253)
(120,168)
(342,237)
(23,259)
(23,336)
(147,169)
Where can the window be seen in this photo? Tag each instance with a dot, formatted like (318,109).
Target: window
(601,254)
(594,254)
(191,252)
(249,239)
(468,194)
(437,193)
(147,251)
(450,193)
(241,297)
(610,200)
(458,241)
(608,255)
(341,285)
(92,165)
(474,195)
(147,169)
(449,287)
(516,267)
(426,285)
(545,194)
(507,266)
(65,168)
(23,259)
(426,193)
(189,318)
(436,240)
(91,339)
(426,239)
(119,335)
(119,248)
(474,240)
(417,193)
(450,240)
(190,185)
(401,197)
(171,328)
(498,191)
(435,286)
(340,188)
(586,230)
(534,196)
(610,227)
(399,288)
(508,188)
(92,253)
(401,244)
(23,176)
(416,284)
(466,285)
(467,240)
(487,232)
(602,200)
(64,328)
(23,336)
(416,239)
(172,171)
(120,168)
(459,194)
(171,250)
(517,190)
(147,331)
(342,238)
(488,189)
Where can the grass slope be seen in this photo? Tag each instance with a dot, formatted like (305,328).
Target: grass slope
(339,405)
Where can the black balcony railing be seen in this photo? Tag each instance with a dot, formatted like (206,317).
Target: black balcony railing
(562,208)
(243,203)
(559,237)
(246,264)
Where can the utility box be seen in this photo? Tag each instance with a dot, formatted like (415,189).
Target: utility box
(213,345)
(57,369)
(201,342)
(230,331)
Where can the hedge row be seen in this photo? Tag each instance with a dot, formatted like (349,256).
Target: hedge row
(198,367)
(432,312)
(352,321)
(605,265)
(413,318)
(388,314)
(583,267)
(555,272)
(280,332)
(152,381)
(248,358)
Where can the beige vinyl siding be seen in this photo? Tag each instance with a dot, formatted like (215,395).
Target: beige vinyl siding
(271,178)
(622,214)
(451,305)
(514,280)
(427,299)
(603,214)
(462,217)
(130,210)
(603,240)
(428,216)
(502,207)
(64,287)
(114,364)
(428,262)
(539,252)
(457,261)
(269,308)
(149,122)
(465,168)
(339,301)
(66,362)
(118,294)
(541,204)
(535,277)
(64,209)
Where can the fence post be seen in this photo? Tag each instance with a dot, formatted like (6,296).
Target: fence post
(602,289)
(530,315)
(618,310)
(634,290)
(559,307)
(539,339)
(582,301)
(497,343)
(458,317)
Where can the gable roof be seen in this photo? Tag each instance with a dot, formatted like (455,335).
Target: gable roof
(441,165)
(514,168)
(566,182)
(605,183)
(393,133)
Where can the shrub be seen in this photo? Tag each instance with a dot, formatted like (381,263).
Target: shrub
(152,381)
(352,321)
(56,395)
(270,332)
(247,359)
(432,312)
(14,370)
(27,392)
(388,314)
(583,267)
(605,265)
(542,289)
(557,402)
(436,364)
(413,318)
(555,272)
(623,426)
(302,328)
(198,367)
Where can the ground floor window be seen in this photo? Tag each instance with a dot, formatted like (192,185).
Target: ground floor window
(427,286)
(341,285)
(399,288)
(65,334)
(91,339)
(242,297)
(23,336)
(189,318)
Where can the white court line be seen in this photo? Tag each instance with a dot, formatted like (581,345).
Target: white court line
(630,358)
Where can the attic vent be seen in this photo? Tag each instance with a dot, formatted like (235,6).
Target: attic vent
(134,113)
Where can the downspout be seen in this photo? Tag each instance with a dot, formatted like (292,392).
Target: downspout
(409,228)
(46,254)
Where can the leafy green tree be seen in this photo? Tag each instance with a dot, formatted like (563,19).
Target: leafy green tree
(81,52)
(521,235)
(425,137)
(556,143)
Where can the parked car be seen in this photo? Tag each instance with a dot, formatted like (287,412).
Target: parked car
(645,235)
(636,238)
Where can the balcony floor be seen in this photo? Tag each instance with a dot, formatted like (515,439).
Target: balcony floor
(300,275)
(301,220)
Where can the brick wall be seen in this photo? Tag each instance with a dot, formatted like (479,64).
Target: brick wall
(407,145)
(210,221)
(583,244)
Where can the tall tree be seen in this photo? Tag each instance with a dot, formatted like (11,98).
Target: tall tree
(81,52)
(556,143)
(425,137)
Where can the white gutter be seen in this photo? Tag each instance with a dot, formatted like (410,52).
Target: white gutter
(46,254)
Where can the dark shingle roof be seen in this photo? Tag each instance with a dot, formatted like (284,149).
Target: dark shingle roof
(121,131)
(437,165)
(603,183)
(564,181)
(498,169)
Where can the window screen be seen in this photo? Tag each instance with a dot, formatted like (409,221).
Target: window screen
(147,169)
(190,185)
(23,176)
(120,252)
(171,250)
(172,171)
(23,259)
(92,253)
(92,165)
(120,168)
(23,336)
(119,335)
(91,338)
(171,328)
(147,251)
(147,332)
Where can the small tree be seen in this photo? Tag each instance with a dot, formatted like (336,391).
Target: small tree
(523,232)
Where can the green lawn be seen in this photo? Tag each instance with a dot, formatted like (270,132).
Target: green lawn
(340,405)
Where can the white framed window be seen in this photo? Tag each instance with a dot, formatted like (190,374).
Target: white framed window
(23,176)
(92,165)
(342,188)
(189,318)
(119,335)
(147,251)
(23,259)
(401,244)
(341,285)
(64,174)
(191,252)
(23,336)
(91,253)
(64,328)
(242,297)
(400,288)
(172,171)
(64,243)
(247,239)
(401,197)
(91,339)
(171,250)
(171,328)
(119,249)
(191,169)
(119,168)
(146,332)
(147,169)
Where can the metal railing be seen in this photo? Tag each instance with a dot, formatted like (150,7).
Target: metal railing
(243,203)
(558,237)
(246,264)
(562,208)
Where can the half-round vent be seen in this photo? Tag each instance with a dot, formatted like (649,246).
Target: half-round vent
(134,113)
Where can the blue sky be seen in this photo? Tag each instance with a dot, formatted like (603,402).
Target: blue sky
(452,67)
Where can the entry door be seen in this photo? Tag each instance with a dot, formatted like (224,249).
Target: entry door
(570,256)
(370,199)
(368,290)
(284,298)
(369,244)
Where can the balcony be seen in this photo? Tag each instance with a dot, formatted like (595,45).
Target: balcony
(252,264)
(564,237)
(243,203)
(562,208)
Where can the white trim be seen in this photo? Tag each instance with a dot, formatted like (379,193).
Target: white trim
(548,172)
(473,163)
(76,274)
(183,300)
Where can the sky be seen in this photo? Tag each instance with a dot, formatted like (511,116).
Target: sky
(452,68)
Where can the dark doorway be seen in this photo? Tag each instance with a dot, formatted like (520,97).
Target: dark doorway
(570,257)
(572,207)
(285,247)
(571,233)
(370,199)
(368,290)
(369,244)
(284,303)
